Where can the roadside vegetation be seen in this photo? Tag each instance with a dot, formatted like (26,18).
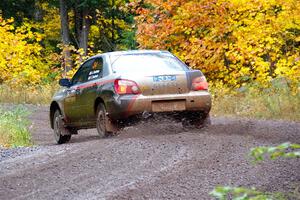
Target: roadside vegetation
(276,102)
(14,127)
(37,95)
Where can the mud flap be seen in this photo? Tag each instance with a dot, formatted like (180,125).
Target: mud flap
(110,126)
(63,127)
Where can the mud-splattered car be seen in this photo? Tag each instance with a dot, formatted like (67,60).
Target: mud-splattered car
(112,88)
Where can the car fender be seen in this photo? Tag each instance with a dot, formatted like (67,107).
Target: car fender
(105,92)
(57,103)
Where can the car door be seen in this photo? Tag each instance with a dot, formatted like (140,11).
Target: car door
(73,102)
(90,92)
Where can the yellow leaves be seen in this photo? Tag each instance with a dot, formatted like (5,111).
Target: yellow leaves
(20,55)
(230,40)
(289,67)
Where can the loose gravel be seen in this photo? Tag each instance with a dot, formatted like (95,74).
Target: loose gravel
(153,160)
(15,152)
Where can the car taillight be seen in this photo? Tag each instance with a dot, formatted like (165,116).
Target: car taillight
(123,86)
(199,83)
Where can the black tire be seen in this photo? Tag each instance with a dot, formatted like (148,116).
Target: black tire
(196,120)
(105,126)
(61,133)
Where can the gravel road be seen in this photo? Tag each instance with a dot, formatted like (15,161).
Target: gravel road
(153,160)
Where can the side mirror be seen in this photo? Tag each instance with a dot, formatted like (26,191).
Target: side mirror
(64,82)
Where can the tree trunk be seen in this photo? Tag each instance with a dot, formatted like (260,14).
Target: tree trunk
(82,25)
(65,35)
(77,21)
(38,12)
(113,25)
(84,33)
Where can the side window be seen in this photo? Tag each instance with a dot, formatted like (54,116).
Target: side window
(96,69)
(81,75)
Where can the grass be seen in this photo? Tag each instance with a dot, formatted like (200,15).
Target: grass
(40,94)
(14,127)
(263,103)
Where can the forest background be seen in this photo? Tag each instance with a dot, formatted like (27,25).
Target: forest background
(248,49)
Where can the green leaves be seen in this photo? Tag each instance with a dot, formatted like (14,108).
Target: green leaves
(286,150)
(240,193)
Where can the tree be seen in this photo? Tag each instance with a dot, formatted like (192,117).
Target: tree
(18,9)
(234,42)
(77,28)
(65,34)
(21,58)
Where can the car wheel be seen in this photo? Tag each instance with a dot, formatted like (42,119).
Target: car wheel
(61,133)
(105,126)
(196,121)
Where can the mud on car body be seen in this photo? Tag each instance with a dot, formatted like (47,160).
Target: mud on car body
(111,88)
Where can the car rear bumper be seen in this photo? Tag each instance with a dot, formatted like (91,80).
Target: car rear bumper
(128,105)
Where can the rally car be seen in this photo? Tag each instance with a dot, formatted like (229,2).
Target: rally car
(113,87)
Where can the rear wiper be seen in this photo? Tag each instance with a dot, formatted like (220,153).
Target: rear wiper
(117,57)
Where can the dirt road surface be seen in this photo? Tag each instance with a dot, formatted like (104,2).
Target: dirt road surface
(153,160)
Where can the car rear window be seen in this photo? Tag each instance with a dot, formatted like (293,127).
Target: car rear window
(135,63)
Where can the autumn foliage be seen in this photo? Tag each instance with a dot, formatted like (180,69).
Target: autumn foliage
(21,57)
(233,42)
